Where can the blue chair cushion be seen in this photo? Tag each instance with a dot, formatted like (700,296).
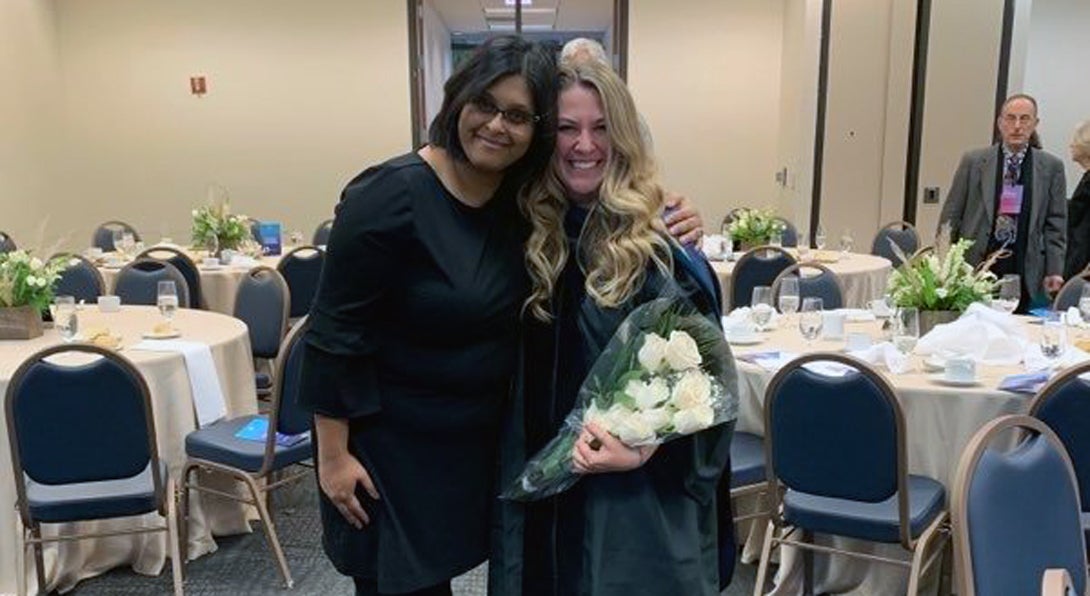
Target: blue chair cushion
(877,522)
(747,460)
(51,503)
(218,443)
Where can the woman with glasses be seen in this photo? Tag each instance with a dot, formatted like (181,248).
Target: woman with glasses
(641,520)
(413,331)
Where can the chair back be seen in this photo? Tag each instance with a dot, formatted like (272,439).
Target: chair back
(835,436)
(138,282)
(6,243)
(825,284)
(1071,291)
(1016,512)
(255,229)
(1057,582)
(81,279)
(74,423)
(290,418)
(901,233)
(758,267)
(790,236)
(103,236)
(184,265)
(262,302)
(321,233)
(1064,405)
(301,268)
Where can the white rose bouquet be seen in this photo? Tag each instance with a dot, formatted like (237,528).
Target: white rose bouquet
(667,372)
(755,226)
(26,280)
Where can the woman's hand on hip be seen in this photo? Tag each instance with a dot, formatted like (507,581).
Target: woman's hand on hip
(338,477)
(611,454)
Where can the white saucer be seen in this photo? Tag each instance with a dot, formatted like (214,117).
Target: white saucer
(152,335)
(934,364)
(942,380)
(750,340)
(210,267)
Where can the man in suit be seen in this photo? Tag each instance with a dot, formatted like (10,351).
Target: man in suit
(1012,196)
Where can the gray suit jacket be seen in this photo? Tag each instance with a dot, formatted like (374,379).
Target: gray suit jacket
(970,211)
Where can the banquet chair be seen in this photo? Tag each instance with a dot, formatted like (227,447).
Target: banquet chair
(257,464)
(83,447)
(1016,512)
(1064,405)
(6,243)
(321,233)
(301,268)
(758,267)
(825,285)
(262,302)
(835,445)
(1071,291)
(901,233)
(790,235)
(137,282)
(747,471)
(103,236)
(255,229)
(1057,582)
(81,279)
(184,264)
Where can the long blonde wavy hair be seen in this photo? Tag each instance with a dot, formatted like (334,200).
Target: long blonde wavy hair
(624,229)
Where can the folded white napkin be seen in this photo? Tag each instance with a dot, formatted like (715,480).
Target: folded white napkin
(1035,360)
(203,380)
(857,315)
(884,354)
(742,316)
(1073,318)
(987,336)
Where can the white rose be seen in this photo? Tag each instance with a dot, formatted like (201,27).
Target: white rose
(692,389)
(657,418)
(35,263)
(652,352)
(31,281)
(605,419)
(633,430)
(681,351)
(195,213)
(694,419)
(648,395)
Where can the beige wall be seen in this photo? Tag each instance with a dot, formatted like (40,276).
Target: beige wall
(29,109)
(300,99)
(706,76)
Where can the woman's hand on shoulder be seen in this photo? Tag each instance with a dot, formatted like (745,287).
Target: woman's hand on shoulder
(338,478)
(611,455)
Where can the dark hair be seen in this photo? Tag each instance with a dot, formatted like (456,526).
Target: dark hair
(495,59)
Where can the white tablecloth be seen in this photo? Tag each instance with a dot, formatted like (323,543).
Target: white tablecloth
(864,277)
(174,417)
(940,420)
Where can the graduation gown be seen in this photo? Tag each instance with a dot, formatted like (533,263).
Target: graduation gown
(652,530)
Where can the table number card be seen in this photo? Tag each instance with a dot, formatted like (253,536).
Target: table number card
(269,231)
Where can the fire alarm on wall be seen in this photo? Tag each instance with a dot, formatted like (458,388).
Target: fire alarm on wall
(197,85)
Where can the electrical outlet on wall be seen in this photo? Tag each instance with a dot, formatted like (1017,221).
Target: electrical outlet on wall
(931,195)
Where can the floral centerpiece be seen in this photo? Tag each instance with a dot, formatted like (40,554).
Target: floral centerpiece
(26,289)
(215,228)
(754,227)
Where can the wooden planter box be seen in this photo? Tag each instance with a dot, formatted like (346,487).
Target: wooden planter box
(20,322)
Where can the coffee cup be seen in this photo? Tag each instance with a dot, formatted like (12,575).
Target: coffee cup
(960,370)
(109,303)
(227,255)
(832,324)
(857,341)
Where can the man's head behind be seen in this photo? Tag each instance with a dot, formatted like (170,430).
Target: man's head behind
(582,50)
(1017,121)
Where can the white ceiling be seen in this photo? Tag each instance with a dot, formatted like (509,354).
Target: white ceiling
(559,15)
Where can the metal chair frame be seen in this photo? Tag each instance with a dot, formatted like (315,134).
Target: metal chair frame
(1081,278)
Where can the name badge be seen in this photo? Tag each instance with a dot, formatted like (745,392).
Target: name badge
(1010,201)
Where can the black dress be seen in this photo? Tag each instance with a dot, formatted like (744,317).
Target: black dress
(413,338)
(1078,228)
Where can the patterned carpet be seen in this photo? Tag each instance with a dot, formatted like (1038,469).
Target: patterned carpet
(244,566)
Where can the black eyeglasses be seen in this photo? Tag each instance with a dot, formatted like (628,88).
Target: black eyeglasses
(514,116)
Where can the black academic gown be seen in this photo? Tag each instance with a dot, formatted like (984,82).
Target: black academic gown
(1078,228)
(649,531)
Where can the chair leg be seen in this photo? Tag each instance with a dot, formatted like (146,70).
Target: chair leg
(922,553)
(183,515)
(766,556)
(39,560)
(176,563)
(270,530)
(807,564)
(20,562)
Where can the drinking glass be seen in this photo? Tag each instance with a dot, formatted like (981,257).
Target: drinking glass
(1084,304)
(906,329)
(819,238)
(846,241)
(810,319)
(64,317)
(167,299)
(1009,293)
(118,237)
(128,243)
(775,239)
(1053,340)
(789,295)
(803,247)
(761,307)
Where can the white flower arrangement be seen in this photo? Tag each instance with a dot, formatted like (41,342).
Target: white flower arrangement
(755,226)
(941,280)
(214,222)
(26,280)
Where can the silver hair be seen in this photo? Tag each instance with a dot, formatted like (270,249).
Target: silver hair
(580,50)
(1081,140)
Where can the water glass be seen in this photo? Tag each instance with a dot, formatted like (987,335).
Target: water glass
(167,299)
(1053,340)
(846,241)
(906,329)
(775,239)
(118,237)
(65,320)
(789,295)
(819,238)
(810,319)
(1009,294)
(1084,304)
(761,307)
(803,247)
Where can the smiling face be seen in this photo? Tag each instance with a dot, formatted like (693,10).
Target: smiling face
(491,129)
(1016,122)
(582,142)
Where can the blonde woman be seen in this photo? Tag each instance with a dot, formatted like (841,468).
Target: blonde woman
(642,521)
(1078,208)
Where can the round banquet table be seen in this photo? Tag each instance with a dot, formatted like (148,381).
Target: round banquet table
(172,402)
(939,422)
(219,285)
(863,276)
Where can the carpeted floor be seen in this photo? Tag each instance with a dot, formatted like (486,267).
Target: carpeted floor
(244,566)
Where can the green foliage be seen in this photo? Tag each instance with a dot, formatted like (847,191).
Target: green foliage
(755,226)
(28,281)
(941,282)
(216,222)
